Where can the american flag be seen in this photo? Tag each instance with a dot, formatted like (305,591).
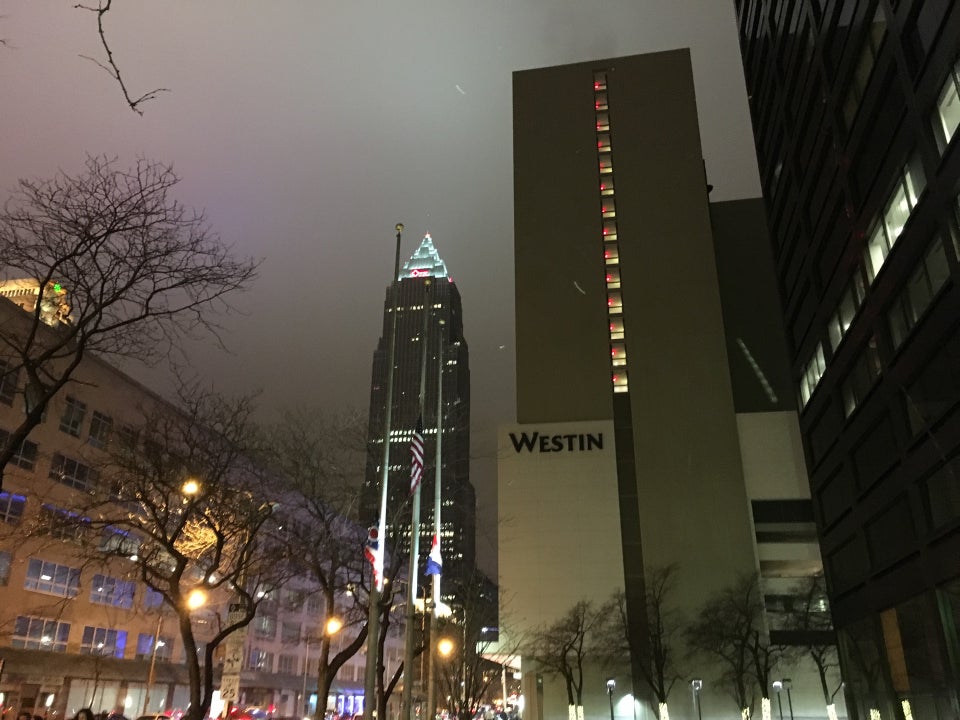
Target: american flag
(374,553)
(416,457)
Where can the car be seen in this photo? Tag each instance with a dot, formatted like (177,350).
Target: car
(157,716)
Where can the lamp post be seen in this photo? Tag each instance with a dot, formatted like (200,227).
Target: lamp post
(778,686)
(697,685)
(787,684)
(153,664)
(611,684)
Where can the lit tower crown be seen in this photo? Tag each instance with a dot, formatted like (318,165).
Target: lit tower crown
(425,262)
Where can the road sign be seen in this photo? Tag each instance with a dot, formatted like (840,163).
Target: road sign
(230,688)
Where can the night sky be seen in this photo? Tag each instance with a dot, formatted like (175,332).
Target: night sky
(308,129)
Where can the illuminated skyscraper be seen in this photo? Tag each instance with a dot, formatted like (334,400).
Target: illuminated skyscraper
(425,286)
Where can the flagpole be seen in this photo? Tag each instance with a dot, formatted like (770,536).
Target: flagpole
(435,594)
(376,584)
(407,704)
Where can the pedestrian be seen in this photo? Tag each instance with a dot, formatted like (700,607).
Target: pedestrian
(84,714)
(24,715)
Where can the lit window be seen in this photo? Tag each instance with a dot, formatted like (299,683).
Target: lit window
(812,373)
(51,578)
(603,142)
(842,318)
(36,633)
(620,384)
(899,206)
(609,230)
(73,415)
(606,185)
(616,328)
(145,643)
(618,354)
(948,108)
(608,208)
(600,80)
(103,641)
(603,122)
(600,101)
(611,255)
(606,165)
(107,590)
(613,278)
(62,524)
(614,303)
(260,659)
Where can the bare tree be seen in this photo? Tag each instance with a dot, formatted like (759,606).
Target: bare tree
(182,509)
(658,655)
(465,675)
(725,630)
(120,268)
(563,648)
(322,462)
(811,625)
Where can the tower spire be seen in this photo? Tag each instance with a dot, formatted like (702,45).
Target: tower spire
(425,262)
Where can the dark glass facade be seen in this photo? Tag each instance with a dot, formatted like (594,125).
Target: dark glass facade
(856,109)
(424,287)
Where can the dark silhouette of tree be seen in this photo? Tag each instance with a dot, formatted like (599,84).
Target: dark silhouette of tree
(728,628)
(658,655)
(563,647)
(321,462)
(180,507)
(121,269)
(811,628)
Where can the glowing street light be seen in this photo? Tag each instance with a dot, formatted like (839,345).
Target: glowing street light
(196,599)
(190,487)
(611,685)
(445,647)
(333,626)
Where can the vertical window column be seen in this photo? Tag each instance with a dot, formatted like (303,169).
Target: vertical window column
(608,229)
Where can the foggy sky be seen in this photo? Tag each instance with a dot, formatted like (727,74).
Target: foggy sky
(308,129)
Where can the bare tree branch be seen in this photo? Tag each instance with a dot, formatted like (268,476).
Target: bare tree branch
(120,268)
(110,67)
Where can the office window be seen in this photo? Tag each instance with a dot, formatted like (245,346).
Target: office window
(928,277)
(52,578)
(861,378)
(36,633)
(25,456)
(72,473)
(101,426)
(6,557)
(888,227)
(260,659)
(11,507)
(287,664)
(948,108)
(812,372)
(103,641)
(290,633)
(72,419)
(314,603)
(9,379)
(145,647)
(62,524)
(107,590)
(265,626)
(151,598)
(850,302)
(864,68)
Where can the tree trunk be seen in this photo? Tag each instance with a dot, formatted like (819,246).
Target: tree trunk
(571,712)
(663,712)
(765,710)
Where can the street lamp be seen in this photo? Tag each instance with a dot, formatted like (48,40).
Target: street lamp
(157,642)
(445,647)
(196,599)
(190,487)
(697,685)
(611,684)
(787,684)
(778,686)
